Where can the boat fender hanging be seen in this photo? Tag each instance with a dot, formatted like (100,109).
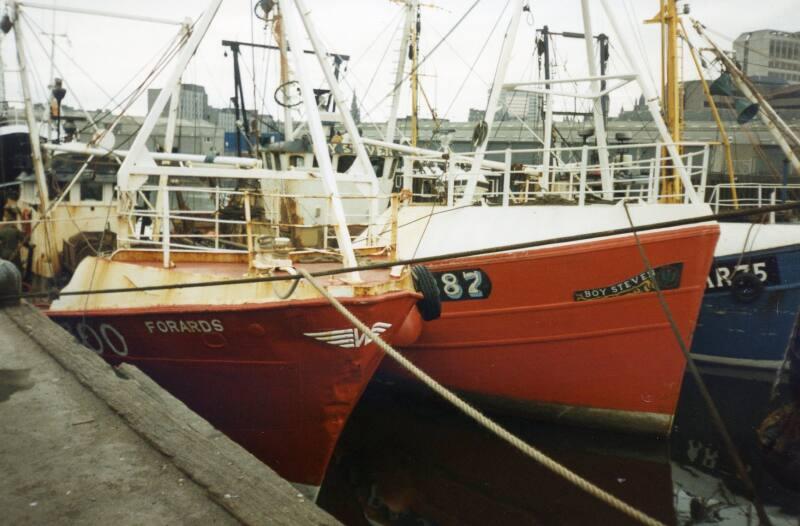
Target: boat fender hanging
(430,306)
(746,287)
(6,24)
(480,133)
(10,283)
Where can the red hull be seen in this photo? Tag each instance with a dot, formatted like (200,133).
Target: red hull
(530,345)
(281,394)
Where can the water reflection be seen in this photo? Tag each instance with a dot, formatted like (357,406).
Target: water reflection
(408,459)
(706,486)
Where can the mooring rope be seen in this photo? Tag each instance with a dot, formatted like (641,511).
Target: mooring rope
(480,418)
(716,418)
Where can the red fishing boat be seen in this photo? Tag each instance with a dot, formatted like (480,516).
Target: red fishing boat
(575,330)
(272,364)
(278,376)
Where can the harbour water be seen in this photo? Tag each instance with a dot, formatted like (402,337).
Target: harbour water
(410,459)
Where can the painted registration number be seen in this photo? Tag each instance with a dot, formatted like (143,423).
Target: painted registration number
(766,269)
(459,285)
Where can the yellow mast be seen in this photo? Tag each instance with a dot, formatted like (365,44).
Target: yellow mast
(672,90)
(672,100)
(726,141)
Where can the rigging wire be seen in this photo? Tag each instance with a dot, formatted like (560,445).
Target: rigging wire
(383,57)
(112,98)
(429,54)
(381,33)
(475,62)
(630,12)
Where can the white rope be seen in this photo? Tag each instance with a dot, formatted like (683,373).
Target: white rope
(482,419)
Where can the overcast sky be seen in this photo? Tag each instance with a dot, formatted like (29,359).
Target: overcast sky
(99,57)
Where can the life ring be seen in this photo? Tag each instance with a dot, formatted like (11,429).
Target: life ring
(746,287)
(430,306)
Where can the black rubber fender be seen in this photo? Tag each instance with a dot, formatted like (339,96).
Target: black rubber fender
(430,306)
(746,287)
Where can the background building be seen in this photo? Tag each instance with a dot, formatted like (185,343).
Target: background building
(193,106)
(783,96)
(769,54)
(520,104)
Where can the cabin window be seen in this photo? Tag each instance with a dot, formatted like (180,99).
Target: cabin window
(377,164)
(91,191)
(297,161)
(345,162)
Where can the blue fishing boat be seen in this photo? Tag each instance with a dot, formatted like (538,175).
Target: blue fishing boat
(750,310)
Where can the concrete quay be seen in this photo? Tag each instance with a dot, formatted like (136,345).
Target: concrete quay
(84,443)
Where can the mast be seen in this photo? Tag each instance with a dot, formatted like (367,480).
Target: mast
(669,21)
(672,90)
(174,102)
(494,97)
(318,140)
(391,124)
(547,142)
(414,50)
(33,130)
(651,100)
(138,150)
(724,137)
(597,104)
(3,103)
(331,78)
(288,124)
(33,133)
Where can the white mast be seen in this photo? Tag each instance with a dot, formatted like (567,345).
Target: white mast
(391,124)
(174,102)
(138,151)
(494,97)
(33,133)
(599,124)
(2,78)
(33,128)
(318,137)
(347,118)
(288,121)
(652,101)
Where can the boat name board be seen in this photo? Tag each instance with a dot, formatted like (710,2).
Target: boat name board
(466,284)
(667,277)
(184,326)
(764,268)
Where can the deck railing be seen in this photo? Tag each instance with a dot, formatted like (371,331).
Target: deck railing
(574,175)
(187,213)
(751,195)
